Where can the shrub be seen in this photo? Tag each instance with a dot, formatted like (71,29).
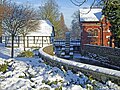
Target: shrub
(21,76)
(26,54)
(3,67)
(2,77)
(31,76)
(49,82)
(44,88)
(58,88)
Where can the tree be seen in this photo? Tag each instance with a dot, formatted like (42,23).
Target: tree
(112,12)
(75,27)
(50,11)
(62,28)
(31,25)
(2,4)
(16,20)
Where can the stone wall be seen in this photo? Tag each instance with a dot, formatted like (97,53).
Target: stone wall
(96,74)
(111,55)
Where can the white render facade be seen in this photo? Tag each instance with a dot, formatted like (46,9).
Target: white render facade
(43,36)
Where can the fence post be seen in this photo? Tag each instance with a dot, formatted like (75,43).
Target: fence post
(42,41)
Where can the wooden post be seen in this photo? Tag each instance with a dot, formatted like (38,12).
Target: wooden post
(42,41)
(27,42)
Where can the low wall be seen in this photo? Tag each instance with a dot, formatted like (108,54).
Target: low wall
(98,73)
(112,55)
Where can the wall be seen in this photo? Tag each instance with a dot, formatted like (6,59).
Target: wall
(86,26)
(30,41)
(112,55)
(98,73)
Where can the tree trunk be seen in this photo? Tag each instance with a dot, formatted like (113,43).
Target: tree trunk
(24,42)
(12,51)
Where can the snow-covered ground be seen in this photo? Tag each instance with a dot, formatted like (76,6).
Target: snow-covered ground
(34,74)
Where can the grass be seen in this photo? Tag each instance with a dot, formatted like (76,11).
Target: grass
(26,54)
(3,67)
(49,50)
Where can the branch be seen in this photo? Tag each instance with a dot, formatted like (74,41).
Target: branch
(90,8)
(77,3)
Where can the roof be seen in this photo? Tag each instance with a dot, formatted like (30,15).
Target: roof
(45,29)
(46,21)
(95,14)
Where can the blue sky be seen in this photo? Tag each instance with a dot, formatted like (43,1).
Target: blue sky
(66,7)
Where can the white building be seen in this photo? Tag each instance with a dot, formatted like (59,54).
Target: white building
(43,36)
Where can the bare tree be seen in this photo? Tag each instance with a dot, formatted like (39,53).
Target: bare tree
(2,9)
(50,11)
(16,20)
(31,25)
(75,27)
(94,3)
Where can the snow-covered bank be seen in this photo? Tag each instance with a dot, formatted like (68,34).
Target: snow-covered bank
(33,74)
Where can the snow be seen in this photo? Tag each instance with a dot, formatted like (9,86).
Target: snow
(95,14)
(45,29)
(34,74)
(86,66)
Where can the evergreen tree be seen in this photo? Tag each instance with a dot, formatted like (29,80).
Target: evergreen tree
(62,27)
(112,11)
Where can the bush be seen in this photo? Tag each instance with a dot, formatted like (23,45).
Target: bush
(21,76)
(44,88)
(49,82)
(3,67)
(59,88)
(26,54)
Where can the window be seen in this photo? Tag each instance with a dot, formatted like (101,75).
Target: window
(95,32)
(92,32)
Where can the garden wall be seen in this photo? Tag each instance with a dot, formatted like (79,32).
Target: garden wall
(98,73)
(112,55)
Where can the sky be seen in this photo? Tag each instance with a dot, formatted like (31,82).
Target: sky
(66,7)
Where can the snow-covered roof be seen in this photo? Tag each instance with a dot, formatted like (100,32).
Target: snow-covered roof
(45,29)
(46,21)
(95,14)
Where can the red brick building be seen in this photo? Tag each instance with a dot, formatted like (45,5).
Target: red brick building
(95,27)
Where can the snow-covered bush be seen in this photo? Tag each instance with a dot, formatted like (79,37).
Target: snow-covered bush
(26,54)
(44,88)
(3,67)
